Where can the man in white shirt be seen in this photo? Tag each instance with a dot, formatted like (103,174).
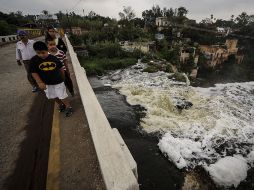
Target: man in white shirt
(24,52)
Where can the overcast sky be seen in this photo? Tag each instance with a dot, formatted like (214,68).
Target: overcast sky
(198,9)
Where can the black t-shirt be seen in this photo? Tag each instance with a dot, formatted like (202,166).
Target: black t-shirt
(48,69)
(61,45)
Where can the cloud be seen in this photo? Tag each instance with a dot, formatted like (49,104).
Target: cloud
(198,9)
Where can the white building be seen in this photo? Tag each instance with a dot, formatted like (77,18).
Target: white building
(221,30)
(162,22)
(45,17)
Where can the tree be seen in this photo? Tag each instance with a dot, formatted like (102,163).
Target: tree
(224,23)
(169,13)
(182,12)
(127,14)
(45,12)
(6,29)
(232,17)
(92,14)
(138,22)
(19,14)
(150,16)
(60,16)
(243,19)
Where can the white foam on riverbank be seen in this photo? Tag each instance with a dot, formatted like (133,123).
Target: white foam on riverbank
(220,123)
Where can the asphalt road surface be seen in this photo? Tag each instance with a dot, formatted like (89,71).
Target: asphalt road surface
(25,136)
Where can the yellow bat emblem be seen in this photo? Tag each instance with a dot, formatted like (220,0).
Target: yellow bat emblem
(47,66)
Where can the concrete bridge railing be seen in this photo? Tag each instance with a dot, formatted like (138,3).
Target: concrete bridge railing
(10,38)
(32,33)
(119,169)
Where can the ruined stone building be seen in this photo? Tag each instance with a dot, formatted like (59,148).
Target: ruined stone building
(217,54)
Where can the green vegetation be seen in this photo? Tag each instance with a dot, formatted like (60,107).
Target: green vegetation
(97,66)
(151,69)
(179,77)
(9,23)
(170,69)
(108,56)
(101,36)
(6,29)
(76,40)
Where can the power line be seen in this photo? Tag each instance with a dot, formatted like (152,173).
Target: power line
(75,5)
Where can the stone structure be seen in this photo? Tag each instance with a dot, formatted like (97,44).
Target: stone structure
(162,22)
(217,54)
(186,53)
(131,46)
(76,30)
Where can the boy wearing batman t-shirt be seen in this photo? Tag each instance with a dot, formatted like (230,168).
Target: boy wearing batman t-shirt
(48,72)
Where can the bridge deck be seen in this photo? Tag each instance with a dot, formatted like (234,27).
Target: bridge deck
(25,132)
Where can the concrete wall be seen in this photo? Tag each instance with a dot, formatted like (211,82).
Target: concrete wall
(32,33)
(119,169)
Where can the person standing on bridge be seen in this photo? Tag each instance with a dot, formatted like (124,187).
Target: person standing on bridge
(51,34)
(53,50)
(24,52)
(48,72)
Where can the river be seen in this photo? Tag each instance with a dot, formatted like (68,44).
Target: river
(177,133)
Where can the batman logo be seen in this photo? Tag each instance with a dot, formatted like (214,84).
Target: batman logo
(47,66)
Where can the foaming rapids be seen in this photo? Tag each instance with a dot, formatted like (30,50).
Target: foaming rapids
(219,121)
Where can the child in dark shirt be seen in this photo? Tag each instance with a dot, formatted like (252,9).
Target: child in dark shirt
(52,34)
(48,72)
(53,50)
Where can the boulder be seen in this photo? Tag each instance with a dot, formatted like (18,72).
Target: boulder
(115,77)
(181,104)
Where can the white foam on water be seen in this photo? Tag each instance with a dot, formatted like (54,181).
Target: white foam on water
(220,123)
(229,171)
(250,158)
(179,150)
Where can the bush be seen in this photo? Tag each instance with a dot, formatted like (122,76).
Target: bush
(147,58)
(105,50)
(6,29)
(151,69)
(137,53)
(179,77)
(108,56)
(76,40)
(97,66)
(170,69)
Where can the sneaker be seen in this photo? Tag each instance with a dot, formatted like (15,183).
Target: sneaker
(68,112)
(35,89)
(61,108)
